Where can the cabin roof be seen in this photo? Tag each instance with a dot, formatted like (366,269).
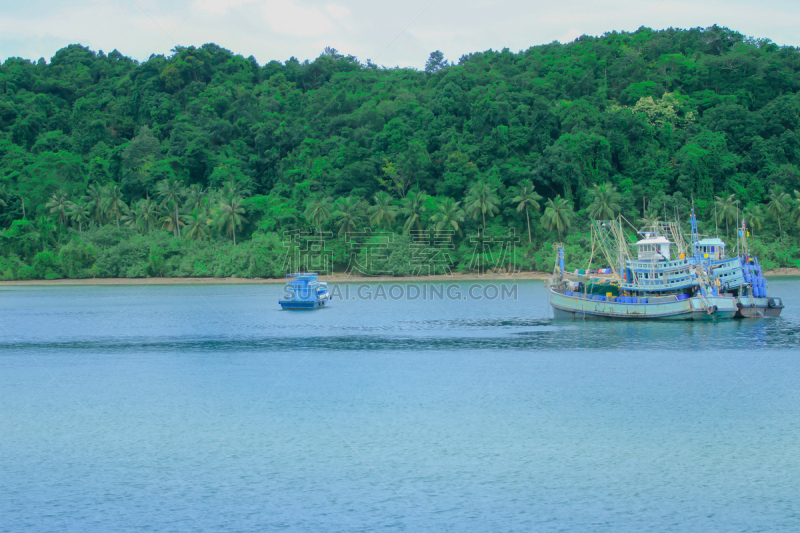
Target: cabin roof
(658,239)
(710,242)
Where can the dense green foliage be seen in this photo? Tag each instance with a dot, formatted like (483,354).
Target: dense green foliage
(195,164)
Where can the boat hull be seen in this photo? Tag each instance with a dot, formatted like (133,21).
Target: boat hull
(572,307)
(295,305)
(759,307)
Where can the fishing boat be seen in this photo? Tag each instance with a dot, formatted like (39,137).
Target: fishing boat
(652,285)
(739,276)
(304,291)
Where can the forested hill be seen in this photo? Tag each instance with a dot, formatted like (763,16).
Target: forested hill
(111,167)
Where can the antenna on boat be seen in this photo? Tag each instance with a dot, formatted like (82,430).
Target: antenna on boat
(716,221)
(738,231)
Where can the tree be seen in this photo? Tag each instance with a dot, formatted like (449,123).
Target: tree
(59,204)
(94,199)
(778,205)
(171,192)
(234,189)
(448,216)
(526,199)
(727,209)
(382,212)
(399,180)
(143,215)
(78,213)
(197,227)
(412,208)
(349,212)
(796,211)
(754,217)
(605,202)
(482,200)
(196,197)
(318,211)
(147,211)
(113,203)
(170,220)
(231,216)
(436,62)
(557,215)
(650,219)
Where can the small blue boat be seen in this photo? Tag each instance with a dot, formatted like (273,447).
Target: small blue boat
(304,291)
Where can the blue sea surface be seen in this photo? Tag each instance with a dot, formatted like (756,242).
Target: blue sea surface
(207,408)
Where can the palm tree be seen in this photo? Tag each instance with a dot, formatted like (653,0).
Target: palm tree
(558,214)
(778,204)
(171,192)
(796,211)
(143,216)
(94,199)
(171,220)
(147,210)
(231,216)
(195,196)
(482,200)
(727,209)
(318,211)
(114,204)
(605,202)
(526,199)
(448,216)
(59,204)
(131,217)
(231,190)
(78,213)
(413,206)
(382,212)
(197,226)
(650,219)
(349,213)
(754,217)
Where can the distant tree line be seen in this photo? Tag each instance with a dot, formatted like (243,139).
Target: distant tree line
(197,163)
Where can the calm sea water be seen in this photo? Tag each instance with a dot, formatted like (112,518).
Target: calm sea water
(206,408)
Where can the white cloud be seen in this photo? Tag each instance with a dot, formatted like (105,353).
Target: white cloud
(570,35)
(401,34)
(287,16)
(337,12)
(219,7)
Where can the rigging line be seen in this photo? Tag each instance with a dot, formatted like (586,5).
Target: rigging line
(156,23)
(178,26)
(405,28)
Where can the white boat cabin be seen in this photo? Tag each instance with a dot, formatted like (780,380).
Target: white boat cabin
(710,248)
(653,247)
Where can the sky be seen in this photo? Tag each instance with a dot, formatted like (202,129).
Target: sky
(389,33)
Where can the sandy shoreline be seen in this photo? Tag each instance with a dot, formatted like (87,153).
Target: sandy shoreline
(335,278)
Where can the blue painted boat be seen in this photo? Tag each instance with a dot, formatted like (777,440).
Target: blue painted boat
(304,291)
(739,276)
(650,286)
